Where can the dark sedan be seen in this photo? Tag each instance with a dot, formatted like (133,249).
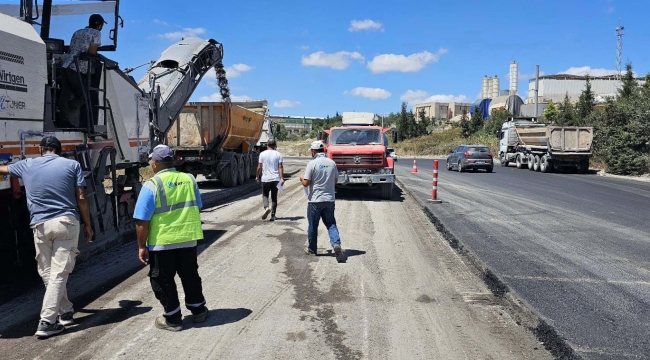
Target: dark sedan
(473,157)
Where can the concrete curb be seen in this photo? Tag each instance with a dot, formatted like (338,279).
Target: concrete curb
(522,312)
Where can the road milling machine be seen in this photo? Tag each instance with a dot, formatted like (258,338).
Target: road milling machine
(121,121)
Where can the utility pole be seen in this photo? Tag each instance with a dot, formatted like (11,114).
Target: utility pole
(536,91)
(619,48)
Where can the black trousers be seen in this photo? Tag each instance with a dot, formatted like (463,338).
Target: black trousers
(272,187)
(163,266)
(71,85)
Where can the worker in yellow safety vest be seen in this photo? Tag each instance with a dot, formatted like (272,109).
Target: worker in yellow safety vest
(168,226)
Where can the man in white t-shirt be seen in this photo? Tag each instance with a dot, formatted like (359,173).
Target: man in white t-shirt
(271,171)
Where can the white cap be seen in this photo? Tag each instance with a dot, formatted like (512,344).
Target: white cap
(317,145)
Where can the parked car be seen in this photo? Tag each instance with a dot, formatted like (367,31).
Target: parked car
(473,157)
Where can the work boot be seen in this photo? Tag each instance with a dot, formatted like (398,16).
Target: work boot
(340,257)
(272,217)
(67,318)
(266,214)
(309,252)
(45,329)
(200,317)
(162,323)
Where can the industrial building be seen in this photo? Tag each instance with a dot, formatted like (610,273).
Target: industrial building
(438,110)
(553,88)
(294,124)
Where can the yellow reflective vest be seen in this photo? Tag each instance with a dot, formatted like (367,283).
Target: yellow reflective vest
(176,219)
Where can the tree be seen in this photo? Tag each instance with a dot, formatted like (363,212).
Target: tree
(476,122)
(551,114)
(629,85)
(585,105)
(566,112)
(281,133)
(423,122)
(496,121)
(464,124)
(303,133)
(403,130)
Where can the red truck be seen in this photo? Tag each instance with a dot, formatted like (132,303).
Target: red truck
(361,153)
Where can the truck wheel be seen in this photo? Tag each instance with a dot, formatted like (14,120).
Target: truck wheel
(502,160)
(460,166)
(241,171)
(536,163)
(247,167)
(584,166)
(229,174)
(531,162)
(386,191)
(544,165)
(518,162)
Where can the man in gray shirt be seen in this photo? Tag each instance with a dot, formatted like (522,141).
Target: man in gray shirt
(55,191)
(321,177)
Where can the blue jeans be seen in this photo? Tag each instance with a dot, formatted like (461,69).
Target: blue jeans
(316,211)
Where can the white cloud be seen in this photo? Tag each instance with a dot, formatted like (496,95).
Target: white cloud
(186,32)
(336,61)
(420,96)
(303,47)
(160,22)
(586,70)
(359,25)
(286,104)
(370,93)
(236,70)
(217,97)
(412,63)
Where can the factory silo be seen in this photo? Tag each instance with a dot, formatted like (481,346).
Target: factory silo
(514,77)
(495,87)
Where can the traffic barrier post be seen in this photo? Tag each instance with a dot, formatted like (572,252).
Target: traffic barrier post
(434,189)
(415,167)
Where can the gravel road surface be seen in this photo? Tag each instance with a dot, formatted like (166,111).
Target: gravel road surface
(575,247)
(403,293)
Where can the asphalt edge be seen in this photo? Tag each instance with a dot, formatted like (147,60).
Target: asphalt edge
(522,312)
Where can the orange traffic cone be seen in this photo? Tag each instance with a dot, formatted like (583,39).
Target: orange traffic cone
(415,167)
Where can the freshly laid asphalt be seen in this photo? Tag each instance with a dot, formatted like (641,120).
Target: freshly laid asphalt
(575,248)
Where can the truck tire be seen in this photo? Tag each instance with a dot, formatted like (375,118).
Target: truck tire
(531,162)
(386,191)
(241,173)
(536,163)
(545,165)
(518,161)
(584,166)
(502,160)
(247,166)
(229,174)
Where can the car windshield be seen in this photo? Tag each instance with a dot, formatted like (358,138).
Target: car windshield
(355,136)
(477,149)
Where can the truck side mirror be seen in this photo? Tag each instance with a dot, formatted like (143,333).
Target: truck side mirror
(320,135)
(394,135)
(277,129)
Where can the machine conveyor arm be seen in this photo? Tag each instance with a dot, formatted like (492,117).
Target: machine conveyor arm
(172,79)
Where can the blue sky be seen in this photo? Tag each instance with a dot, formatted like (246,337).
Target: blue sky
(315,58)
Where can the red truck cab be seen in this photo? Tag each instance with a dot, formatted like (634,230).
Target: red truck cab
(360,151)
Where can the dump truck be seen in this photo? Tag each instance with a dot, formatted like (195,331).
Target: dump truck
(360,151)
(220,140)
(545,148)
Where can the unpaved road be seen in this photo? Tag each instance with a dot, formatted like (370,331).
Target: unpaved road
(402,294)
